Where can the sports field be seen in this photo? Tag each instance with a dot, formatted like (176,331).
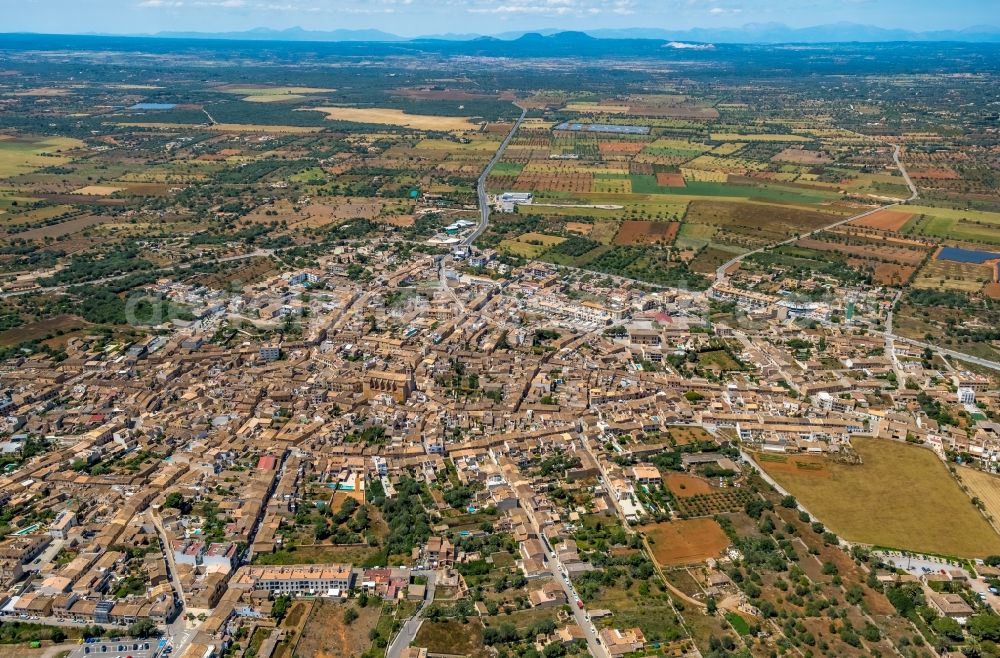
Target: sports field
(902,496)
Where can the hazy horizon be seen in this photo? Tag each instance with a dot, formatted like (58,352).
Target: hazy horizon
(417,17)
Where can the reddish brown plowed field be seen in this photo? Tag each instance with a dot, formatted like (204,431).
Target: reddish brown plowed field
(685,542)
(884,220)
(664,179)
(638,232)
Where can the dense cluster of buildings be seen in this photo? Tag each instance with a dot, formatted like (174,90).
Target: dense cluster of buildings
(167,464)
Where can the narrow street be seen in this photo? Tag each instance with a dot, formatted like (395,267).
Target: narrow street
(411,626)
(177,632)
(561,575)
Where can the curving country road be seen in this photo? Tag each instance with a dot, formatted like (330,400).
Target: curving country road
(959,356)
(720,273)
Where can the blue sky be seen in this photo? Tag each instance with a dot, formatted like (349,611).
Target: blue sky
(414,17)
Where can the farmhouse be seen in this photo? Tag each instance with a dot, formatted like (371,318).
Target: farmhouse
(950,605)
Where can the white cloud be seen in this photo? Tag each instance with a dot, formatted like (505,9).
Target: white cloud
(718,11)
(554,7)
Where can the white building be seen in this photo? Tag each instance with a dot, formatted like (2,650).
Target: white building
(509,201)
(270,352)
(312,579)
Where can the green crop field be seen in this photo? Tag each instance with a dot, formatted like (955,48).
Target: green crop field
(22,156)
(968,225)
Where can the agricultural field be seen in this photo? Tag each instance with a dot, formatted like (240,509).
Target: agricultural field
(715,501)
(740,137)
(884,220)
(242,273)
(735,190)
(751,225)
(531,245)
(24,154)
(640,232)
(685,435)
(802,156)
(666,179)
(98,190)
(940,274)
(718,360)
(684,542)
(56,327)
(985,487)
(390,117)
(969,226)
(944,316)
(891,260)
(902,497)
(684,486)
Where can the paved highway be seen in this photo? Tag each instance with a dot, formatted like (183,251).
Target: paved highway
(177,632)
(484,205)
(720,273)
(484,212)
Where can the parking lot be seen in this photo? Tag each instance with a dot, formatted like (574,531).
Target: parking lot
(118,649)
(917,565)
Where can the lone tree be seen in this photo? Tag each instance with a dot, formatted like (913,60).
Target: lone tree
(176,500)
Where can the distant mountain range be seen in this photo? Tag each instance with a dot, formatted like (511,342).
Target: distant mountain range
(763,33)
(291,34)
